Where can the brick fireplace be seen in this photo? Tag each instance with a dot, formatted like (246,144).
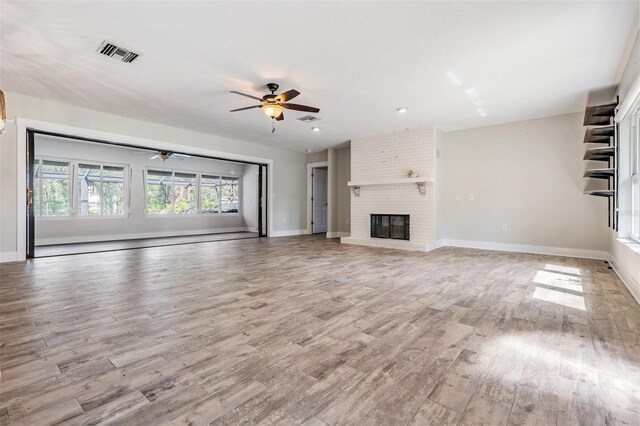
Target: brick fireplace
(381,185)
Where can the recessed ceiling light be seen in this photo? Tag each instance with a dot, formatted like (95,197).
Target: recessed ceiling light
(315,129)
(402,110)
(308,150)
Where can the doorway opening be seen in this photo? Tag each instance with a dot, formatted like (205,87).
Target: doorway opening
(86,195)
(319,200)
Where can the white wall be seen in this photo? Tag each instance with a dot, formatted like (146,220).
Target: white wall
(288,166)
(343,192)
(525,175)
(138,225)
(249,197)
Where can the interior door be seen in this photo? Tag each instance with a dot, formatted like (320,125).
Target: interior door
(319,200)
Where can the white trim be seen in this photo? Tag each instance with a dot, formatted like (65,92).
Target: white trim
(525,248)
(289,233)
(310,167)
(23,124)
(120,237)
(632,95)
(628,280)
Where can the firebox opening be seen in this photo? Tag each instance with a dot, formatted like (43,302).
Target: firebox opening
(394,226)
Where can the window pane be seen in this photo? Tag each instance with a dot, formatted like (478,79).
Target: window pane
(185,184)
(113,190)
(55,188)
(635,209)
(210,194)
(229,197)
(159,192)
(36,188)
(89,203)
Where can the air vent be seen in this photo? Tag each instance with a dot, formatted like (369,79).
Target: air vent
(117,52)
(308,118)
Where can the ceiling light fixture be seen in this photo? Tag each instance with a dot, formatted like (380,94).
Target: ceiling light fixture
(315,129)
(272,110)
(402,110)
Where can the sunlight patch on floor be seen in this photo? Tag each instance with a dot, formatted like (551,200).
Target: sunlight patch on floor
(560,298)
(555,279)
(563,269)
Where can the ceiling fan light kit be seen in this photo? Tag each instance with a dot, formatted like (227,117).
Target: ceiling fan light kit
(272,110)
(273,105)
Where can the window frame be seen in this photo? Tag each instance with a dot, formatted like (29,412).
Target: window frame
(198,175)
(73,181)
(38,161)
(634,163)
(125,189)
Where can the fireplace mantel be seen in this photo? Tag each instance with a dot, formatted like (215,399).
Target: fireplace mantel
(420,181)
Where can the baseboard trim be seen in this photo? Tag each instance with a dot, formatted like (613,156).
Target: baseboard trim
(9,256)
(524,248)
(289,233)
(627,279)
(116,237)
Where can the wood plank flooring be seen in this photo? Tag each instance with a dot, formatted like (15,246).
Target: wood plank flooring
(306,331)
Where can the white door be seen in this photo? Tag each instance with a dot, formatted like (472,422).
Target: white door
(319,200)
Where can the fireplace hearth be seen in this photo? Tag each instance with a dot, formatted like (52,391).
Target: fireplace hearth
(393,226)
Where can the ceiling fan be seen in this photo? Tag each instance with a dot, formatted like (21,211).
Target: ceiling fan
(273,105)
(165,155)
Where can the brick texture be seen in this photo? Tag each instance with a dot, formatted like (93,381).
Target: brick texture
(387,157)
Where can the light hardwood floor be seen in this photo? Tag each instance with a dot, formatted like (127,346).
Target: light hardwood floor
(307,331)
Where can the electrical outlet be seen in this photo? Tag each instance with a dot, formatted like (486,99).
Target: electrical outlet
(457,197)
(470,197)
(505,228)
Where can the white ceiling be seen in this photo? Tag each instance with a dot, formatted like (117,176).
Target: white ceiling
(356,61)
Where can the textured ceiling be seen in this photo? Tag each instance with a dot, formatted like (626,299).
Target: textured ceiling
(453,64)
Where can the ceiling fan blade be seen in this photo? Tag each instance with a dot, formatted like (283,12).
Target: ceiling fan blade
(280,117)
(248,96)
(288,95)
(242,109)
(182,155)
(154,157)
(297,107)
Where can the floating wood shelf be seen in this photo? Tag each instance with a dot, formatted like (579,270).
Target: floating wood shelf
(599,134)
(607,133)
(600,154)
(601,193)
(600,173)
(599,115)
(420,181)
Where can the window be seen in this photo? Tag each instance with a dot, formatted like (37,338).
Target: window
(182,193)
(51,188)
(159,192)
(635,176)
(185,193)
(229,197)
(100,190)
(210,194)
